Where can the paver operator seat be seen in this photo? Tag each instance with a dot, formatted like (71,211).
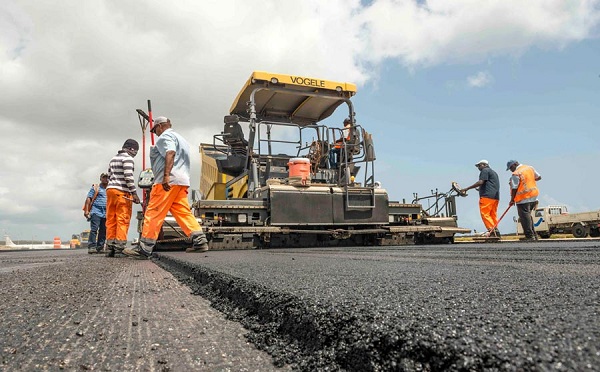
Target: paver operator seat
(233,136)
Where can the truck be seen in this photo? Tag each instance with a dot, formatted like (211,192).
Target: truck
(291,180)
(77,240)
(555,219)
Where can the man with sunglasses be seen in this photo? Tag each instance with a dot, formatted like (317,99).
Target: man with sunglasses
(170,160)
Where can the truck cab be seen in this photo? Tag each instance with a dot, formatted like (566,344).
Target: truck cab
(540,219)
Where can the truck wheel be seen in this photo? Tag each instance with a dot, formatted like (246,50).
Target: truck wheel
(544,235)
(594,233)
(579,231)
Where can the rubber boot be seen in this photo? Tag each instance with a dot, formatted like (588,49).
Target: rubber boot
(110,250)
(199,243)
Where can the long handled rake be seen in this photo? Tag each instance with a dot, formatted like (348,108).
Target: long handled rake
(497,223)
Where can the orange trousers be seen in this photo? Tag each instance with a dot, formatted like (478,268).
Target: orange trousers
(489,211)
(162,202)
(118,216)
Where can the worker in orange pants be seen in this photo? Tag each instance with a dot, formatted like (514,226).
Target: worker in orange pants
(489,196)
(120,194)
(488,208)
(175,200)
(120,209)
(170,159)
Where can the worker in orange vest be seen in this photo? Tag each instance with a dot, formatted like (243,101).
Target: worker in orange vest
(336,154)
(524,193)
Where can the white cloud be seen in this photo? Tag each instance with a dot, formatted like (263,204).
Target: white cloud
(480,79)
(468,31)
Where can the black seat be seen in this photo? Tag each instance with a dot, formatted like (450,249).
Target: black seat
(233,134)
(353,143)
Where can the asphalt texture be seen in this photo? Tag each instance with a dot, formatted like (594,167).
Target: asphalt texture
(496,307)
(67,310)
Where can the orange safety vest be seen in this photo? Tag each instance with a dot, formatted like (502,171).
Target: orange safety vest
(338,143)
(527,186)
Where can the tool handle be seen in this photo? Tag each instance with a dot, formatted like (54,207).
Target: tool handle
(130,199)
(499,219)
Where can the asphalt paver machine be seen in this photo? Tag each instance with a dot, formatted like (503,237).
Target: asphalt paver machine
(289,180)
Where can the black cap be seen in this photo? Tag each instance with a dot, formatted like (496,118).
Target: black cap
(131,144)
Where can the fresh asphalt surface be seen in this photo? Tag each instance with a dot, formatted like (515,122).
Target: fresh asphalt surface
(497,306)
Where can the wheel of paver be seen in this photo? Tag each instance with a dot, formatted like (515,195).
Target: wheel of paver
(544,235)
(579,231)
(456,187)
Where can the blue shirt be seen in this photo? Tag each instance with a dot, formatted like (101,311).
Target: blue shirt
(169,140)
(99,205)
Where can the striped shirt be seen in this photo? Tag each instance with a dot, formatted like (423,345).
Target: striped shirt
(120,172)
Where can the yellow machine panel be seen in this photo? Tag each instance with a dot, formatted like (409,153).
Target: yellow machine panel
(213,183)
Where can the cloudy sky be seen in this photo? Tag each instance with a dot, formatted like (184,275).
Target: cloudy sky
(441,85)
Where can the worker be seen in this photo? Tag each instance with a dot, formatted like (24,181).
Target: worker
(95,212)
(489,196)
(336,154)
(524,193)
(120,194)
(170,161)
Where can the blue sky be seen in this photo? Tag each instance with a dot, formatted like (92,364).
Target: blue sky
(441,85)
(541,108)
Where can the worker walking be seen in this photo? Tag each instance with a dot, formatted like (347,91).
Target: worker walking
(94,211)
(489,196)
(170,161)
(121,193)
(524,193)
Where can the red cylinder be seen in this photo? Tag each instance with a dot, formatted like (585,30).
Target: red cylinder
(299,167)
(57,242)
